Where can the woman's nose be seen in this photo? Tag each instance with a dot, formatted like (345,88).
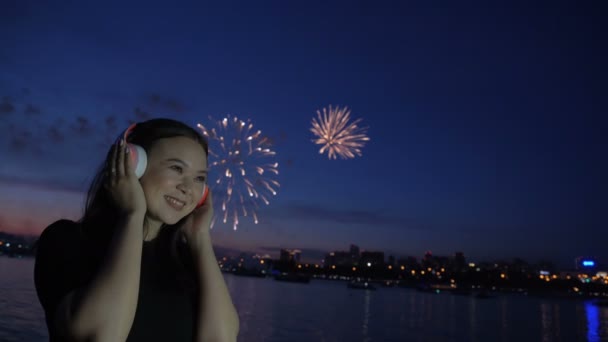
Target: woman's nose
(185,186)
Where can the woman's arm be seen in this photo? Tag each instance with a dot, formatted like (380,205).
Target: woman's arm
(216,318)
(104,310)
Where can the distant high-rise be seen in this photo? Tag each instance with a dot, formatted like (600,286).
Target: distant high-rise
(460,262)
(285,255)
(297,254)
(339,258)
(290,255)
(354,254)
(354,251)
(370,259)
(427,260)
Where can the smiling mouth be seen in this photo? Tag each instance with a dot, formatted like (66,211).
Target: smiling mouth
(175,203)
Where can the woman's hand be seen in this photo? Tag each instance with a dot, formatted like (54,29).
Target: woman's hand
(195,228)
(216,316)
(122,183)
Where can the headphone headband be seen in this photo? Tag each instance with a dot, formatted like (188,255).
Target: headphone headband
(129,130)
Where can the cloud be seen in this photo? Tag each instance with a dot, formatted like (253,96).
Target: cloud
(165,103)
(82,126)
(48,185)
(110,122)
(52,132)
(21,140)
(377,218)
(32,110)
(225,251)
(55,135)
(355,216)
(307,253)
(6,105)
(141,115)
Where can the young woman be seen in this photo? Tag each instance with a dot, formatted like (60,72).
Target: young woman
(139,265)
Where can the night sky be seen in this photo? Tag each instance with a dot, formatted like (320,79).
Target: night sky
(487,124)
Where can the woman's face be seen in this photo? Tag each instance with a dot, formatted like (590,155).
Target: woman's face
(174,179)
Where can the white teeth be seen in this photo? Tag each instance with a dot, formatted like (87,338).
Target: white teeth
(175,201)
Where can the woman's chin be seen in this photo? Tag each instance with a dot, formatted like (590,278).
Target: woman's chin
(174,219)
(171,220)
(171,217)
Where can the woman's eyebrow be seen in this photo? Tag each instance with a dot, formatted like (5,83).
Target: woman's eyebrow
(183,163)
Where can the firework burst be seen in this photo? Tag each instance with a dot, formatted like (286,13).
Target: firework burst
(337,135)
(242,170)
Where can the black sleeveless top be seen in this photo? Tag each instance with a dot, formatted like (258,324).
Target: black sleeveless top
(64,262)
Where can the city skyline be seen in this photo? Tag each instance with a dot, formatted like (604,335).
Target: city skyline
(486,125)
(315,256)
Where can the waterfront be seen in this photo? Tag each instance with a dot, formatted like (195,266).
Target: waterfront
(329,311)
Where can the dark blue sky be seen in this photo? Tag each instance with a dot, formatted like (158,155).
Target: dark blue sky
(487,123)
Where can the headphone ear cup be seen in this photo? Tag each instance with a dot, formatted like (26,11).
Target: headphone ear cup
(139,158)
(204,198)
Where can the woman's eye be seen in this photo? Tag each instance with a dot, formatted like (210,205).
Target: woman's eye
(177,168)
(201,179)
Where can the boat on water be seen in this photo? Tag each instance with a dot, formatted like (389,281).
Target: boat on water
(292,277)
(361,285)
(484,294)
(246,273)
(462,291)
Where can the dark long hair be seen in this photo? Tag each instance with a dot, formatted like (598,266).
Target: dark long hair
(100,215)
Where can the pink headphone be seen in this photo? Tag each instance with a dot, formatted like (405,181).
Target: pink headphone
(140,159)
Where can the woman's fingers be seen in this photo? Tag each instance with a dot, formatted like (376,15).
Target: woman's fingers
(112,175)
(129,162)
(120,160)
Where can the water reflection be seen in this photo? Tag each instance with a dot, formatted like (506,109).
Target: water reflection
(452,313)
(603,323)
(326,311)
(593,322)
(366,314)
(550,322)
(556,319)
(504,322)
(473,319)
(545,322)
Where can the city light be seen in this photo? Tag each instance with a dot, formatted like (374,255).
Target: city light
(588,263)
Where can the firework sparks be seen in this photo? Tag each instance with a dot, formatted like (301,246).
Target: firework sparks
(337,135)
(242,170)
